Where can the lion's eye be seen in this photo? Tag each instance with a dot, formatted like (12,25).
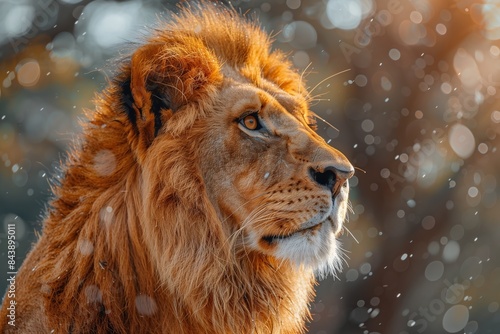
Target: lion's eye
(251,122)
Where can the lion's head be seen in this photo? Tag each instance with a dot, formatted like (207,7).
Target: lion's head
(241,115)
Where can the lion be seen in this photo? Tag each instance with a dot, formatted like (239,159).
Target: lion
(199,198)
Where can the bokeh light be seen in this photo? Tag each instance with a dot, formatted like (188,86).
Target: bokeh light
(347,15)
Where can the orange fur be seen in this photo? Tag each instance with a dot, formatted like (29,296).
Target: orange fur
(165,219)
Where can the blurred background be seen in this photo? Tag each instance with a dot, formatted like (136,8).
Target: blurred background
(418,110)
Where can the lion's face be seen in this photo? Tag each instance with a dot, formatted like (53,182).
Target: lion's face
(274,182)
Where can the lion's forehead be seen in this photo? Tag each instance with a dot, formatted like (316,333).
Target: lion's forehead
(283,108)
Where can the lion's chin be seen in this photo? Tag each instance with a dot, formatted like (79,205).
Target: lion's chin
(315,248)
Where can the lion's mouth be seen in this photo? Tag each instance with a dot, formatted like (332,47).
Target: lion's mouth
(272,238)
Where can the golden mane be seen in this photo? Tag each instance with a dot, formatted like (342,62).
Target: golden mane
(136,239)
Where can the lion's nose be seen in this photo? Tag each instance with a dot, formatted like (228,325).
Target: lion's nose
(330,177)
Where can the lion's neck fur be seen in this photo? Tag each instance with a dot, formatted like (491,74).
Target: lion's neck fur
(123,254)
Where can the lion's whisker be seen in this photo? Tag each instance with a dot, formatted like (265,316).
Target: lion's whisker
(254,218)
(360,169)
(350,233)
(350,208)
(324,121)
(315,102)
(328,78)
(302,77)
(316,97)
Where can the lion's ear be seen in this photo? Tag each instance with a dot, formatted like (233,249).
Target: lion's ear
(165,77)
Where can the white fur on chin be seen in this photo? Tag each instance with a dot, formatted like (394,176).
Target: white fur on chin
(319,250)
